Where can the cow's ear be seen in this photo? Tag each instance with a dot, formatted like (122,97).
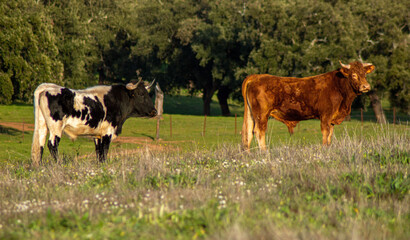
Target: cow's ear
(369,69)
(344,71)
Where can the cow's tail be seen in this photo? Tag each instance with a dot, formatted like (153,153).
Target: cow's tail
(248,122)
(39,122)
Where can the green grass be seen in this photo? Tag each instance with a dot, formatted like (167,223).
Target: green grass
(187,130)
(204,187)
(357,187)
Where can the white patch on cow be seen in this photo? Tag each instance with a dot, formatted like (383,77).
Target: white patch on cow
(93,93)
(75,127)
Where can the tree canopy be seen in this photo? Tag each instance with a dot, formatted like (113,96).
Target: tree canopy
(205,46)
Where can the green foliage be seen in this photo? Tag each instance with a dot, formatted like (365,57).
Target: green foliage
(6,88)
(73,43)
(398,78)
(203,46)
(28,47)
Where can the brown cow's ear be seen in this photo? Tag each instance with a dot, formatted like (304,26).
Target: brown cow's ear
(369,69)
(344,71)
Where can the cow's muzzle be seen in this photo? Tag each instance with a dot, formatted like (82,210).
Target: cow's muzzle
(364,88)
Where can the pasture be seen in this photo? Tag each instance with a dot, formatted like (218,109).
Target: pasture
(195,186)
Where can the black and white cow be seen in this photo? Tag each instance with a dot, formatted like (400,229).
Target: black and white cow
(98,111)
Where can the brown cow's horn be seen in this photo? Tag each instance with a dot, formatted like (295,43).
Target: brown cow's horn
(150,85)
(367,64)
(132,86)
(344,65)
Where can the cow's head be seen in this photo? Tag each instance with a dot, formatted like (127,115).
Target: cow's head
(140,100)
(356,72)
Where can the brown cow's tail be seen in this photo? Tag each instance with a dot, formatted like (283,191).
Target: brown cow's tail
(39,122)
(248,122)
(245,94)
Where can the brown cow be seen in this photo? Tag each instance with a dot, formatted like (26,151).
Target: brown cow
(327,97)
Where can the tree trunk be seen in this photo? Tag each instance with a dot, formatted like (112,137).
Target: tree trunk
(204,79)
(159,105)
(377,107)
(223,94)
(207,99)
(101,75)
(159,100)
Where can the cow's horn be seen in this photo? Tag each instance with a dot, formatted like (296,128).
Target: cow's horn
(132,86)
(344,65)
(367,64)
(150,85)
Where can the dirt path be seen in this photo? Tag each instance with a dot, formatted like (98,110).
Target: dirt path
(18,125)
(146,142)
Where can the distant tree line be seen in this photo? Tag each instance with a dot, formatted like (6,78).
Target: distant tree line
(206,46)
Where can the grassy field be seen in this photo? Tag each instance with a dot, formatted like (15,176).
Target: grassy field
(196,186)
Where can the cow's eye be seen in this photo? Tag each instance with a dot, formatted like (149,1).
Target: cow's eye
(354,76)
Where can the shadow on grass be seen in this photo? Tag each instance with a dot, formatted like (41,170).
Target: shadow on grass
(148,136)
(11,131)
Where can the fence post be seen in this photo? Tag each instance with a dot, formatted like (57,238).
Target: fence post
(203,131)
(159,105)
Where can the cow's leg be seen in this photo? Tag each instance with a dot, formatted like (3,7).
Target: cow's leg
(103,146)
(39,140)
(290,129)
(42,141)
(329,138)
(291,126)
(325,127)
(247,129)
(53,142)
(260,130)
(97,142)
(39,135)
(56,130)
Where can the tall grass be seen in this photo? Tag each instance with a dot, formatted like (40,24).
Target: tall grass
(358,188)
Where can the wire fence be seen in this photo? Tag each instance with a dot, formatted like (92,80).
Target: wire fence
(392,116)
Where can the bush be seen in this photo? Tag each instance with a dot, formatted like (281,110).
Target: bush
(6,88)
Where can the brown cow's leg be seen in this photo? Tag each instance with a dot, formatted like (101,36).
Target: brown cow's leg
(325,127)
(329,138)
(290,129)
(260,130)
(247,129)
